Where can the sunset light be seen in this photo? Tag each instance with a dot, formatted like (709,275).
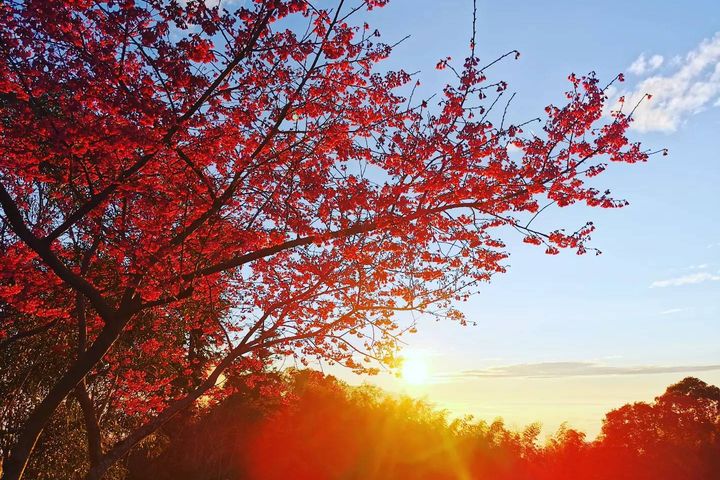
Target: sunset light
(415,370)
(333,239)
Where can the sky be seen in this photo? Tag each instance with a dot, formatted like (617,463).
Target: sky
(568,338)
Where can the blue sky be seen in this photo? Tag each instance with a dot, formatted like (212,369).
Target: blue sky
(558,334)
(568,338)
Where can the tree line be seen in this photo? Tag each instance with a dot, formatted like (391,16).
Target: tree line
(302,424)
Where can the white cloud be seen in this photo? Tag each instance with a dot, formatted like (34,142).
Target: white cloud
(690,279)
(646,65)
(670,311)
(692,85)
(655,62)
(576,369)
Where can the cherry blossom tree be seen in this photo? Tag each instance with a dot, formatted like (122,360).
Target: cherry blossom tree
(187,190)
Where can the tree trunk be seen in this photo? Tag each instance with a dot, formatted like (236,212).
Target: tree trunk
(92,429)
(123,447)
(20,453)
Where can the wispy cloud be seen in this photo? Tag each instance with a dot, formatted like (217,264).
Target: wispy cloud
(689,279)
(646,65)
(670,311)
(575,369)
(691,85)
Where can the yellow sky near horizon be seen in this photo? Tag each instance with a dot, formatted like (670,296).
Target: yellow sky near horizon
(581,401)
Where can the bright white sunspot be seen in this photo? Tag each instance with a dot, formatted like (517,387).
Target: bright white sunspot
(415,370)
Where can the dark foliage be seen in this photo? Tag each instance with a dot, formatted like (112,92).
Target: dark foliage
(319,428)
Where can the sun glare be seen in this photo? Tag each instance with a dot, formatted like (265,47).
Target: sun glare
(415,371)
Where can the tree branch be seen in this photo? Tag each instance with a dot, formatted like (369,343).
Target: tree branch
(104,194)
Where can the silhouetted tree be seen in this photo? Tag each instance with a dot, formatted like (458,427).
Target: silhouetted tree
(676,436)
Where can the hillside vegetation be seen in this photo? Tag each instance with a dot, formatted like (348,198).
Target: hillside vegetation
(317,427)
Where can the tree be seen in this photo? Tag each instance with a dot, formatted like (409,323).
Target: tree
(187,190)
(676,436)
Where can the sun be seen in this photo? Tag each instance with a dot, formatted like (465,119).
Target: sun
(414,371)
